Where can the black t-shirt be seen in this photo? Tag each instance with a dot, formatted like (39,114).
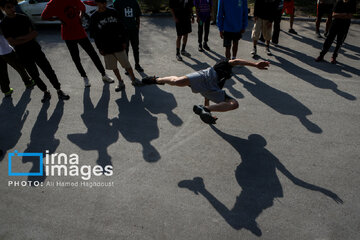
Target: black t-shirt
(108,31)
(182,8)
(18,26)
(129,11)
(342,7)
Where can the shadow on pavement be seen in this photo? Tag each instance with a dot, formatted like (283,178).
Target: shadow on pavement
(42,137)
(101,132)
(279,101)
(13,119)
(136,124)
(257,176)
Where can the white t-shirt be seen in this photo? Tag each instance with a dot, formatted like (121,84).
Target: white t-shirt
(5,48)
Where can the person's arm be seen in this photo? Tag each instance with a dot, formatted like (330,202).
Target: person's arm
(23,39)
(240,62)
(82,8)
(49,12)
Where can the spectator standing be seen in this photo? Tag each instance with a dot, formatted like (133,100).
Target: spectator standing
(130,13)
(289,8)
(69,13)
(277,21)
(342,14)
(232,20)
(214,12)
(324,7)
(181,11)
(264,15)
(203,13)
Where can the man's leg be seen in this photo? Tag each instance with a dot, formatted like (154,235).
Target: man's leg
(27,59)
(328,23)
(134,40)
(13,60)
(228,105)
(4,76)
(235,48)
(276,33)
(329,39)
(200,33)
(318,19)
(340,40)
(72,45)
(45,66)
(89,49)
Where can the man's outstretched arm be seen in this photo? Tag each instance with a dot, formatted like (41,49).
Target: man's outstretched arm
(241,62)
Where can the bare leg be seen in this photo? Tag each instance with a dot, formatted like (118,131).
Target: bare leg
(317,23)
(235,48)
(178,42)
(131,73)
(174,81)
(227,52)
(117,74)
(267,43)
(228,105)
(185,37)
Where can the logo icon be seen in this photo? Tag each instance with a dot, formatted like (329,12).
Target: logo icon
(15,153)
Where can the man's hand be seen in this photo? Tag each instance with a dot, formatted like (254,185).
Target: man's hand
(263,65)
(222,35)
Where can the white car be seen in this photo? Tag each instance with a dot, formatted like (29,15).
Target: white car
(34,8)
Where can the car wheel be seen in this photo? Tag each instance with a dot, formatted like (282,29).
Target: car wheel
(85,20)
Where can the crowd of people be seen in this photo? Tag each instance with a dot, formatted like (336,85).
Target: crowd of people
(114,29)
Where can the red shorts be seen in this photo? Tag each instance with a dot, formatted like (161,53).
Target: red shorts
(289,7)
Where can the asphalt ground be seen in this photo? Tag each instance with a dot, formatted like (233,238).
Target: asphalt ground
(284,165)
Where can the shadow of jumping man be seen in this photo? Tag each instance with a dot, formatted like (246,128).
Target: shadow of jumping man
(12,123)
(136,124)
(101,132)
(257,177)
(42,137)
(279,101)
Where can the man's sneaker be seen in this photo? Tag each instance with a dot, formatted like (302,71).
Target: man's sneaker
(326,34)
(253,52)
(136,83)
(195,185)
(178,57)
(107,79)
(268,52)
(87,82)
(46,97)
(204,114)
(120,86)
(291,30)
(318,35)
(8,94)
(333,60)
(138,68)
(200,48)
(185,53)
(30,85)
(62,95)
(319,58)
(126,73)
(206,47)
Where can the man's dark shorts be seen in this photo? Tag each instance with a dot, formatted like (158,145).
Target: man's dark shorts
(324,9)
(183,27)
(230,37)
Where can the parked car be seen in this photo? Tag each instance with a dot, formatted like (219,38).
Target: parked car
(34,8)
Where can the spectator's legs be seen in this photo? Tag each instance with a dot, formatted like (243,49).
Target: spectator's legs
(45,66)
(72,45)
(89,49)
(4,77)
(13,60)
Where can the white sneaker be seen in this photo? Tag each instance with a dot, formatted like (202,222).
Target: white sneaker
(253,52)
(87,82)
(268,52)
(107,79)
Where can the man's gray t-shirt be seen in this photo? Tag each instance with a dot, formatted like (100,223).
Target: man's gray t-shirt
(205,82)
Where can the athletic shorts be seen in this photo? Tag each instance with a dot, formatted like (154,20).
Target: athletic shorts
(324,9)
(289,7)
(261,26)
(229,37)
(112,59)
(205,82)
(183,27)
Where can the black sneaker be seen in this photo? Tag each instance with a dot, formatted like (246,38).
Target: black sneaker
(62,95)
(206,47)
(200,48)
(138,68)
(320,58)
(120,86)
(46,97)
(126,73)
(178,57)
(291,30)
(204,114)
